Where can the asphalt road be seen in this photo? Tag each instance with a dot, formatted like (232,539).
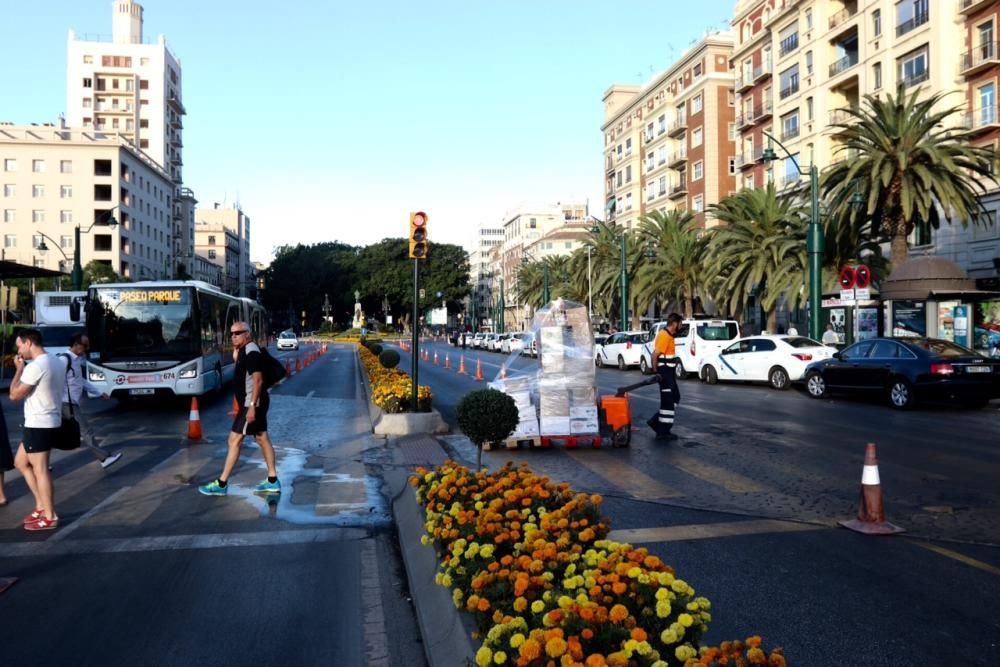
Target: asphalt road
(745,506)
(145,570)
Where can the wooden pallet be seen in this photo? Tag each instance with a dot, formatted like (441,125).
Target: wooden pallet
(514,443)
(571,441)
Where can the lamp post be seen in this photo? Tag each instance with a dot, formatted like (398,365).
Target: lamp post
(43,248)
(590,289)
(814,238)
(77,275)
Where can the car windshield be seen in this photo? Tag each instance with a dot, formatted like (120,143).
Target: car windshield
(285,334)
(717,331)
(941,348)
(802,341)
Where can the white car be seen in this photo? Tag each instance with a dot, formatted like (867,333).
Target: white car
(777,360)
(622,349)
(287,341)
(515,342)
(500,344)
(477,340)
(696,340)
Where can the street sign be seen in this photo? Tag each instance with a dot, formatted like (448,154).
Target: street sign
(847,295)
(847,277)
(388,319)
(422,293)
(862,294)
(862,276)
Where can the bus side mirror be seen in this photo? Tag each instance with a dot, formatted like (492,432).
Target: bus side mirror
(74,310)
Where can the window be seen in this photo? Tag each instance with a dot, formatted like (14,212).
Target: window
(37,191)
(913,68)
(732,131)
(987,104)
(791,168)
(809,19)
(696,104)
(650,161)
(731,97)
(696,138)
(661,124)
(532,223)
(628,146)
(628,207)
(697,70)
(732,166)
(877,22)
(650,190)
(65,166)
(748,182)
(143,84)
(618,151)
(211,254)
(65,241)
(9,190)
(876,76)
(65,216)
(9,164)
(809,108)
(38,166)
(9,241)
(697,170)
(663,185)
(88,82)
(618,178)
(211,240)
(789,81)
(65,191)
(38,215)
(9,215)
(788,39)
(911,14)
(809,62)
(628,173)
(102,167)
(790,125)
(698,204)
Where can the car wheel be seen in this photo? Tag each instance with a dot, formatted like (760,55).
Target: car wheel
(598,361)
(680,372)
(778,377)
(643,366)
(901,394)
(711,377)
(816,385)
(621,363)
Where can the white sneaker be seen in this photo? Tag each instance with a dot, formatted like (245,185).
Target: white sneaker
(111,460)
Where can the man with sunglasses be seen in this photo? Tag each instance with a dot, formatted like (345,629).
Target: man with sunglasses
(251,419)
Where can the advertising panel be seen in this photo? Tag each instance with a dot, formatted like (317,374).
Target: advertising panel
(987,331)
(946,320)
(866,323)
(909,318)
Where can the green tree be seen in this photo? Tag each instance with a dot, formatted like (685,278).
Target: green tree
(910,164)
(98,272)
(760,249)
(676,273)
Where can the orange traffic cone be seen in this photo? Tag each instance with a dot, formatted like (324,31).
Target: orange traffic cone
(871,515)
(194,422)
(461,364)
(298,363)
(288,367)
(479,371)
(435,357)
(235,409)
(503,372)
(447,361)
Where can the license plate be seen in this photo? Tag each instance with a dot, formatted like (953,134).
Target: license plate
(978,369)
(141,392)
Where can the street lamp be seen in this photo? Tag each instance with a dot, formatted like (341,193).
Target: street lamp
(43,248)
(814,238)
(107,221)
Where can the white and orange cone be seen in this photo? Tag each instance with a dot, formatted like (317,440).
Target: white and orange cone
(194,422)
(871,515)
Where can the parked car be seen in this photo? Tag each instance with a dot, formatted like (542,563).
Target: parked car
(287,341)
(489,341)
(777,360)
(623,349)
(500,344)
(907,370)
(516,342)
(599,339)
(696,340)
(529,341)
(477,340)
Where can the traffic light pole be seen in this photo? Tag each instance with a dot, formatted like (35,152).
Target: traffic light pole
(415,353)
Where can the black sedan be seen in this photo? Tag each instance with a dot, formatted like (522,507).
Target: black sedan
(906,370)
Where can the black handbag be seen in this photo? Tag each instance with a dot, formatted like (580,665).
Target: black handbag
(69,430)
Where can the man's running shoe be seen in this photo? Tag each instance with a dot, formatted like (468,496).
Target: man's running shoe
(34,516)
(111,460)
(213,489)
(268,488)
(42,523)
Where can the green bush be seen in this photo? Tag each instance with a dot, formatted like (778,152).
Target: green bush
(388,358)
(486,416)
(375,348)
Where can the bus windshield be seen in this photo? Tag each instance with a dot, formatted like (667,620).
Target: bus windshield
(142,323)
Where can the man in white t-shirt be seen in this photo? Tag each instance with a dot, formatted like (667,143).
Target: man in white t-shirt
(41,384)
(830,336)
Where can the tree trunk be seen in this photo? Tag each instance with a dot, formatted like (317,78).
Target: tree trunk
(689,306)
(772,320)
(899,247)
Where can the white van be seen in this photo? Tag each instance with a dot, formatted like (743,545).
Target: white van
(695,340)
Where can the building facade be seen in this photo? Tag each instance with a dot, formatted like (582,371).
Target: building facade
(54,180)
(237,222)
(669,145)
(218,244)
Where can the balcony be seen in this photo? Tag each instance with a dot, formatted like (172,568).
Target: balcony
(764,111)
(678,127)
(609,167)
(790,90)
(679,190)
(915,79)
(980,58)
(843,16)
(844,64)
(678,159)
(841,116)
(984,119)
(841,154)
(912,24)
(788,44)
(762,71)
(748,160)
(790,132)
(971,6)
(745,82)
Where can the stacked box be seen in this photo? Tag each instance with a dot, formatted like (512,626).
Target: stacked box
(519,389)
(566,383)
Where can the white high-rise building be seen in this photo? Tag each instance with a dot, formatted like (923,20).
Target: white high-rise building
(128,87)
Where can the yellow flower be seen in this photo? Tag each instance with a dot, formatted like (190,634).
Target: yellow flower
(686,620)
(516,640)
(684,652)
(663,609)
(484,656)
(537,606)
(499,657)
(668,636)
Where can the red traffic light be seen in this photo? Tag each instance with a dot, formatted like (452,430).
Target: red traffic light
(847,277)
(862,276)
(419,219)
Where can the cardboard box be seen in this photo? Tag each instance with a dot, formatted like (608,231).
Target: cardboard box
(554,424)
(526,428)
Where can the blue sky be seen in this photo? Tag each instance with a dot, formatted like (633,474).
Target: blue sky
(331,121)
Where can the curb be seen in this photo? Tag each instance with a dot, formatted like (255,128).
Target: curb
(447,641)
(403,423)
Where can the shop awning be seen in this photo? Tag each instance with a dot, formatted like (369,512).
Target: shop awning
(10,270)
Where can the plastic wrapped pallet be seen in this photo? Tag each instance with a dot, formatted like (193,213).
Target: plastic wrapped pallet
(566,378)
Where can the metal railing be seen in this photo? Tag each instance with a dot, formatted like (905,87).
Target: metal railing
(915,79)
(984,117)
(982,54)
(844,64)
(841,116)
(790,90)
(789,44)
(842,16)
(912,24)
(790,132)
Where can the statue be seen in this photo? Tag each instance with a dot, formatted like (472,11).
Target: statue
(359,316)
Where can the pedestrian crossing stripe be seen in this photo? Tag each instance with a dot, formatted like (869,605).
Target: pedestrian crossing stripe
(704,531)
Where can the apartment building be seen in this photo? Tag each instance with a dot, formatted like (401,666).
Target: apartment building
(219,245)
(669,144)
(488,236)
(236,221)
(54,180)
(128,87)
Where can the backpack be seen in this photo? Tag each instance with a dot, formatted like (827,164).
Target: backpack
(272,369)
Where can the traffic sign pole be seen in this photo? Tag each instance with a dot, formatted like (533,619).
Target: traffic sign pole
(414,326)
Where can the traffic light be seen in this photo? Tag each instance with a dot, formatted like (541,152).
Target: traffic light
(418,235)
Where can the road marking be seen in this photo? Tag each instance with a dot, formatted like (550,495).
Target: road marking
(310,394)
(68,530)
(704,531)
(375,639)
(954,555)
(731,481)
(639,484)
(173,542)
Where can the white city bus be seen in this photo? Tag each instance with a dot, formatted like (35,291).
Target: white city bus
(164,337)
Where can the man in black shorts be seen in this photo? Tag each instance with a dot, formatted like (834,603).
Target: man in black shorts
(253,399)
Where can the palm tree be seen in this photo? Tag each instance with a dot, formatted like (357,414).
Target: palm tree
(760,248)
(910,164)
(676,272)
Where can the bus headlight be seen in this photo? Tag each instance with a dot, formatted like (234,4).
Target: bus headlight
(188,372)
(95,375)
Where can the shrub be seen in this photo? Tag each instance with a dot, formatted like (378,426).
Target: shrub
(375,348)
(486,416)
(388,358)
(391,387)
